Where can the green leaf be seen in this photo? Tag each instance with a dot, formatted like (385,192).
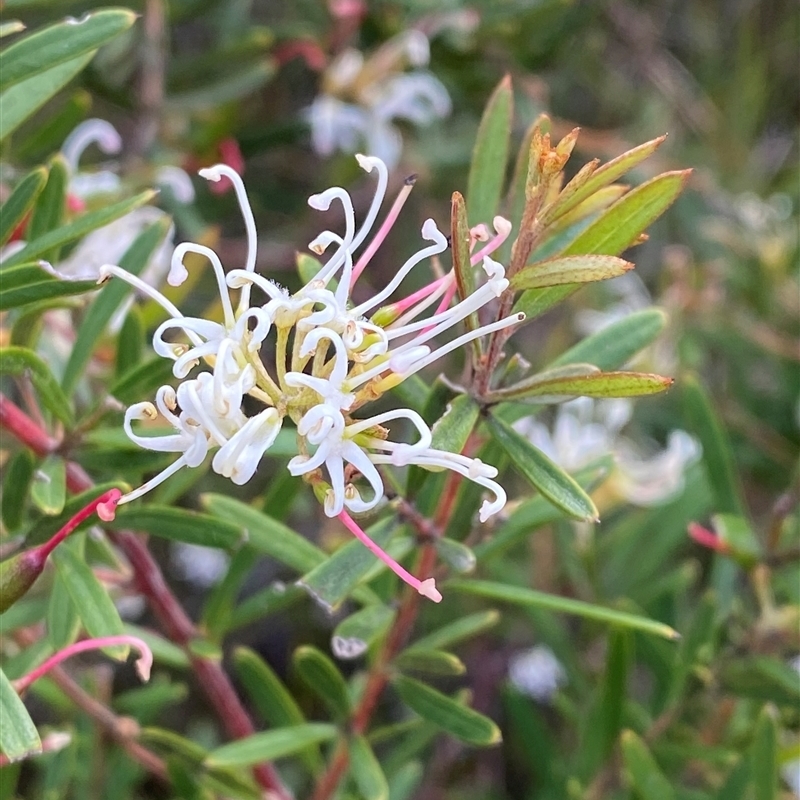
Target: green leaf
(334,580)
(51,204)
(572,194)
(21,201)
(717,451)
(242,83)
(462,267)
(366,770)
(534,302)
(355,633)
(29,283)
(648,781)
(21,361)
(762,678)
(568,270)
(458,631)
(63,622)
(623,223)
(221,600)
(92,602)
(111,296)
(59,43)
(764,756)
(77,229)
(130,342)
(604,718)
(18,735)
(546,476)
(141,380)
(452,430)
(26,97)
(264,534)
(432,662)
(447,713)
(19,473)
(180,525)
(271,698)
(553,386)
(320,674)
(456,554)
(617,343)
(49,487)
(489,158)
(523,596)
(270,745)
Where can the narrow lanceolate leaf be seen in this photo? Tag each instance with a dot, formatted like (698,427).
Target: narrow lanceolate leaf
(431,662)
(20,101)
(93,603)
(465,274)
(541,389)
(51,205)
(272,699)
(458,631)
(180,525)
(366,770)
(320,674)
(62,42)
(569,269)
(21,361)
(623,223)
(447,713)
(76,229)
(523,596)
(451,431)
(354,634)
(717,451)
(270,745)
(135,259)
(764,756)
(334,580)
(546,476)
(643,772)
(18,735)
(49,487)
(20,202)
(534,302)
(266,534)
(63,622)
(488,168)
(29,283)
(613,346)
(19,473)
(572,195)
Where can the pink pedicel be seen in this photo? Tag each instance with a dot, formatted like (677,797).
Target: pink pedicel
(144,662)
(426,588)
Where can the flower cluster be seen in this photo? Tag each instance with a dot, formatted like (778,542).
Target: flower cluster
(318,358)
(361,98)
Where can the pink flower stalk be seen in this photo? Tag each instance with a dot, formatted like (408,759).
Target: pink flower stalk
(708,539)
(144,662)
(17,574)
(383,231)
(426,588)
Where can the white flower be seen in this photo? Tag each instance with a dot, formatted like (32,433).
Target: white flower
(586,429)
(537,673)
(362,98)
(201,566)
(329,361)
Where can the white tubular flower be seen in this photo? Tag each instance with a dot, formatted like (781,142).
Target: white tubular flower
(328,362)
(362,98)
(108,140)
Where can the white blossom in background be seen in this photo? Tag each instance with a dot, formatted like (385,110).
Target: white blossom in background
(586,429)
(361,98)
(201,566)
(537,673)
(331,357)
